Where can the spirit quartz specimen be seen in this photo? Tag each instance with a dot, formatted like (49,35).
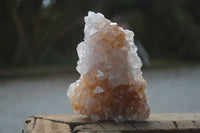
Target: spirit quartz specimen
(111,86)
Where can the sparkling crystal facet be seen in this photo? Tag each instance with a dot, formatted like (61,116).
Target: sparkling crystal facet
(111,85)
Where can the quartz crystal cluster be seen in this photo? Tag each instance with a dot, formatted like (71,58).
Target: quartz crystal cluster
(111,86)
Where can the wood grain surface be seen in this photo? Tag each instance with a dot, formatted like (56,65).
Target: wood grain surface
(72,123)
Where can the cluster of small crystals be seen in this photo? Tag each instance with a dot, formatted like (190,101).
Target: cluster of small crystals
(111,86)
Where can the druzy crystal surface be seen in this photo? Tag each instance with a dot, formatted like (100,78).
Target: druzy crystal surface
(111,86)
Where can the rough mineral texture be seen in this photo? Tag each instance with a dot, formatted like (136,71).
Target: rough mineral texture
(111,85)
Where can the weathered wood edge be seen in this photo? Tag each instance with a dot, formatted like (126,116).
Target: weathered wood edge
(169,122)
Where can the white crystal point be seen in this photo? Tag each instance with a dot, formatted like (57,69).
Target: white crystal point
(111,85)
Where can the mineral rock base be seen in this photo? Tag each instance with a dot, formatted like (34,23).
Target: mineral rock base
(111,86)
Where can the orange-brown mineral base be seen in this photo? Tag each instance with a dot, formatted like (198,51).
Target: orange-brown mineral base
(111,86)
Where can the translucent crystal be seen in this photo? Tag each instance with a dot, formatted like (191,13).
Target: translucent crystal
(111,85)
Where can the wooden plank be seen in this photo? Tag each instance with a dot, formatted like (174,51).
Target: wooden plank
(28,125)
(174,116)
(197,123)
(185,124)
(88,128)
(68,118)
(33,125)
(166,122)
(114,126)
(154,126)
